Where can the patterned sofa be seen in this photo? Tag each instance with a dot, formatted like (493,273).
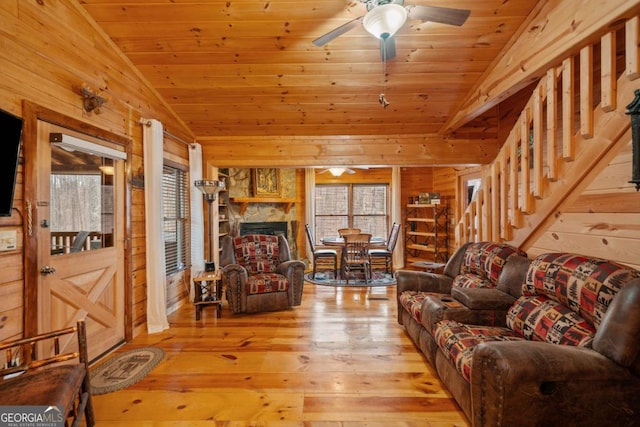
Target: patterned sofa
(259,275)
(474,275)
(568,354)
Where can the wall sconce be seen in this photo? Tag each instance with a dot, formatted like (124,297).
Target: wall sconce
(634,112)
(210,189)
(92,99)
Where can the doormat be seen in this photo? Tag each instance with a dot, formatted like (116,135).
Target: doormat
(124,369)
(326,278)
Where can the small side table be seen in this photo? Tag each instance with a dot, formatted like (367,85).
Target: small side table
(208,291)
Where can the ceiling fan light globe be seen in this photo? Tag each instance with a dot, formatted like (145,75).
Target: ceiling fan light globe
(336,171)
(385,20)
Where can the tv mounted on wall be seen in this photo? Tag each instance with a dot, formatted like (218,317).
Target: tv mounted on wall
(10,136)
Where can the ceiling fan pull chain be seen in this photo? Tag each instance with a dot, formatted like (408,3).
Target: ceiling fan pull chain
(382,98)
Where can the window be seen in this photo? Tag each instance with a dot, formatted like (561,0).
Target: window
(81,201)
(363,206)
(175,212)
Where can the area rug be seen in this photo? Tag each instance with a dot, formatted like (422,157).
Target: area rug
(326,278)
(124,369)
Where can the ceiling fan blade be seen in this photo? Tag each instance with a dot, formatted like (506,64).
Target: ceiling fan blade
(349,171)
(441,15)
(322,40)
(387,48)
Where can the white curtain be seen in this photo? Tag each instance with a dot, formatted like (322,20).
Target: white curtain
(153,137)
(396,215)
(197,213)
(310,204)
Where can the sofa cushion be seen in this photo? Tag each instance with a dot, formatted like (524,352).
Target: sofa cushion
(257,253)
(268,282)
(486,259)
(412,302)
(585,285)
(543,319)
(483,263)
(458,341)
(469,280)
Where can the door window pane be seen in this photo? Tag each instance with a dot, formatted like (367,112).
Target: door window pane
(81,201)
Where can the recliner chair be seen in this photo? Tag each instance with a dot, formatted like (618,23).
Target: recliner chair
(259,275)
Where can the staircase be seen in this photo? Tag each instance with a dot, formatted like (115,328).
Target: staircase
(562,137)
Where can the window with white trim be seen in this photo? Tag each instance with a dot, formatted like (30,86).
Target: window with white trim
(175,214)
(363,206)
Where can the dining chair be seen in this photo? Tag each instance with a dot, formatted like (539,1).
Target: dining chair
(384,256)
(343,231)
(50,369)
(322,257)
(355,256)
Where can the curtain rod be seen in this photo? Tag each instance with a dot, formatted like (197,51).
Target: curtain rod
(147,122)
(177,138)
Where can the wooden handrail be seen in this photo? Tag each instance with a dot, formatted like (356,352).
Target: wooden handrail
(519,189)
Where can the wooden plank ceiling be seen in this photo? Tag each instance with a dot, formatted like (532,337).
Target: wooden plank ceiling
(249,68)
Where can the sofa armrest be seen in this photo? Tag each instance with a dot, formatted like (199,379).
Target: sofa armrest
(419,281)
(534,383)
(294,272)
(483,298)
(234,278)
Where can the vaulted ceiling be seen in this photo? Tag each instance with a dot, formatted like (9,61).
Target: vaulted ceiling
(248,68)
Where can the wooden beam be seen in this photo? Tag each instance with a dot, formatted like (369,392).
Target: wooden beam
(302,151)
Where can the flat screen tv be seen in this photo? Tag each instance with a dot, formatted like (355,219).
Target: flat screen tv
(10,136)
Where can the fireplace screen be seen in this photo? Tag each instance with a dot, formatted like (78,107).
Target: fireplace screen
(271,227)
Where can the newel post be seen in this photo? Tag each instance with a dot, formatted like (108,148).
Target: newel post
(634,112)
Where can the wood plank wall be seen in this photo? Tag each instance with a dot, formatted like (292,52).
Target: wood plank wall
(604,220)
(49,49)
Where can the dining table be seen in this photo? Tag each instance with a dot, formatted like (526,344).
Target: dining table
(339,242)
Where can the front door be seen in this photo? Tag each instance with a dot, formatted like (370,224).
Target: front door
(80,235)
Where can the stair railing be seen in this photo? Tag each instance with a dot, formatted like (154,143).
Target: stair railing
(536,165)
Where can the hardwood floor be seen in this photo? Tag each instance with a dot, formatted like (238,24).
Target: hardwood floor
(340,359)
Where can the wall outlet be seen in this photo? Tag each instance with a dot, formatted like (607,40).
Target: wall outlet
(8,240)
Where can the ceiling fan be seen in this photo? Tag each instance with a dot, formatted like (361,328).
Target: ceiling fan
(339,170)
(385,17)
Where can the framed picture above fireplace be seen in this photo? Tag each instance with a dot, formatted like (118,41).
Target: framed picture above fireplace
(266,182)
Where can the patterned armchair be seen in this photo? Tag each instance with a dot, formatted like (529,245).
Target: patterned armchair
(259,275)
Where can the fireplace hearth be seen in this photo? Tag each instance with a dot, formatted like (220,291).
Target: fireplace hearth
(269,227)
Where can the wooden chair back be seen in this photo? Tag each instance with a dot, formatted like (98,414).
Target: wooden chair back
(344,231)
(356,250)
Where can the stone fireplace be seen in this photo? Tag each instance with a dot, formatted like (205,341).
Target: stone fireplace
(265,227)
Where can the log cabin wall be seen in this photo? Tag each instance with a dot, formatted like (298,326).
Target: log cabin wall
(49,49)
(603,219)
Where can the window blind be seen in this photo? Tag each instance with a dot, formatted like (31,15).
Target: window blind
(175,214)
